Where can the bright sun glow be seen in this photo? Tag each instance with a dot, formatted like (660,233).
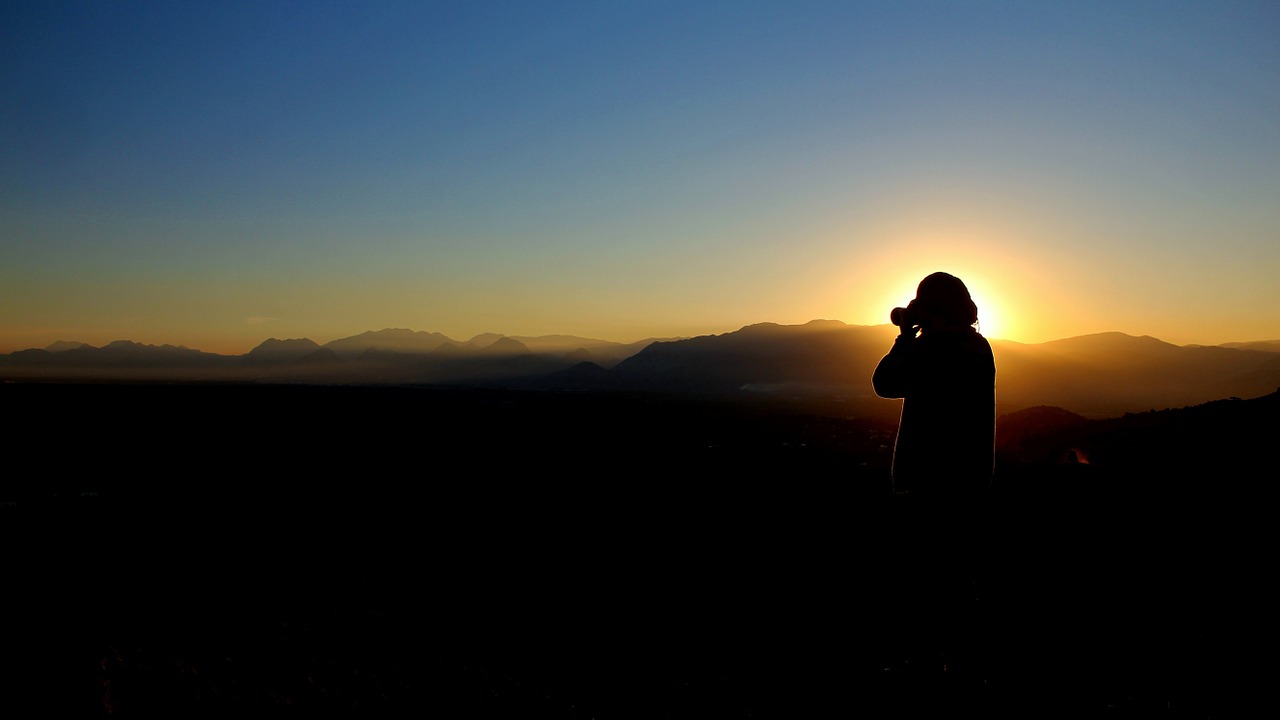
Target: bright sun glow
(996,317)
(993,320)
(1007,281)
(988,317)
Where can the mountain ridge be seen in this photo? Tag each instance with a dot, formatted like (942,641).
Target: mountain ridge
(377,338)
(1095,375)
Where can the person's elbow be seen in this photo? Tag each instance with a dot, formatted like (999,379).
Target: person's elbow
(887,387)
(890,393)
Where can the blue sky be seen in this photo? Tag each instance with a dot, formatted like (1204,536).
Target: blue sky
(212,174)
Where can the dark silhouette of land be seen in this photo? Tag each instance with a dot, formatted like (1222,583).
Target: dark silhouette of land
(179,548)
(1098,376)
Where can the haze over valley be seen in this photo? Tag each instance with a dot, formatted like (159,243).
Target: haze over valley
(1096,375)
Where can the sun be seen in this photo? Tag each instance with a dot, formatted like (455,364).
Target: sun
(988,316)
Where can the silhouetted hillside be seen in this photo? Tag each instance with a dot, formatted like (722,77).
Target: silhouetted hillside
(1212,449)
(1040,435)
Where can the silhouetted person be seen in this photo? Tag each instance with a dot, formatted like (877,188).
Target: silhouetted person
(943,458)
(943,370)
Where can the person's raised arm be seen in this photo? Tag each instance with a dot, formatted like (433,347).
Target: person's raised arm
(892,377)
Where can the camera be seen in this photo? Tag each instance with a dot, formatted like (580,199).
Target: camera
(905,317)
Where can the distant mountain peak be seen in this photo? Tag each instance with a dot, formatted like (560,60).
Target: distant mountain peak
(320,356)
(484,340)
(1262,345)
(272,350)
(65,345)
(759,327)
(399,340)
(826,324)
(812,325)
(272,345)
(116,346)
(506,346)
(396,333)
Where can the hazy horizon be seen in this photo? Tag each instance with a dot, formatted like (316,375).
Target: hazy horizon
(213,175)
(473,336)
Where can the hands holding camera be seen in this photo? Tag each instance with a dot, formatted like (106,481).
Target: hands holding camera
(906,319)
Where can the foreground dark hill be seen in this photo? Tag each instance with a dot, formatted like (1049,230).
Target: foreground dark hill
(196,549)
(1207,451)
(302,438)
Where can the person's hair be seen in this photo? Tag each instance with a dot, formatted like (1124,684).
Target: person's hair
(945,297)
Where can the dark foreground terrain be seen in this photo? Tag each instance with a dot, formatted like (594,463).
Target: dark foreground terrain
(180,550)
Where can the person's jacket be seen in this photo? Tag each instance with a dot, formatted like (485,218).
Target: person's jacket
(946,437)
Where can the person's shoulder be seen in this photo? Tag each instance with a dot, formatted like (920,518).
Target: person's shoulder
(963,336)
(971,342)
(980,343)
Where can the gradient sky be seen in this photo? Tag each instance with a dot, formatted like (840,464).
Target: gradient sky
(215,173)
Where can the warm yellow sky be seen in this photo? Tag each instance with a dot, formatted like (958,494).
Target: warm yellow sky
(212,176)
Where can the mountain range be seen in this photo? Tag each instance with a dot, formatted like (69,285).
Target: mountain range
(1098,375)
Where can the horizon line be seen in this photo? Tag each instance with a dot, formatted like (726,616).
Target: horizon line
(652,338)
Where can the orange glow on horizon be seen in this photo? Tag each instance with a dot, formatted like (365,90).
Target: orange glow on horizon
(991,260)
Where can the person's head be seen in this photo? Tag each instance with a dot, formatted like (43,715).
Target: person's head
(942,300)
